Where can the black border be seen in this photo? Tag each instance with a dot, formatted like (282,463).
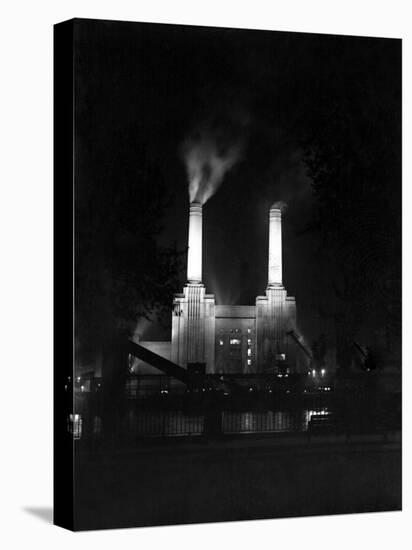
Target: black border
(63,172)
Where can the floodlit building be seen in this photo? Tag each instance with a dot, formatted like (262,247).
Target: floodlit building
(238,339)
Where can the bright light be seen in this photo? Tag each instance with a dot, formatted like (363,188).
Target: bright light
(234,342)
(313,372)
(249,352)
(249,362)
(194,258)
(221,342)
(249,341)
(82,388)
(322,372)
(76,426)
(78,378)
(275,247)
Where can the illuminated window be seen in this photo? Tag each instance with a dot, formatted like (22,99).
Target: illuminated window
(221,342)
(249,362)
(234,342)
(249,330)
(280,356)
(249,352)
(249,341)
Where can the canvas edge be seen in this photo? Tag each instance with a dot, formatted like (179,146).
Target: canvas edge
(63,296)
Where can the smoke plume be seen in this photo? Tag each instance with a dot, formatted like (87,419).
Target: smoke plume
(281,205)
(208,154)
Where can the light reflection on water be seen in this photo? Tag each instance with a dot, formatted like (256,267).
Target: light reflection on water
(175,423)
(178,423)
(269,421)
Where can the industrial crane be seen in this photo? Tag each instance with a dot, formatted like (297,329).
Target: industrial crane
(188,377)
(295,337)
(368,362)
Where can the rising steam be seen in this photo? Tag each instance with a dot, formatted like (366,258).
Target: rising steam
(280,205)
(208,155)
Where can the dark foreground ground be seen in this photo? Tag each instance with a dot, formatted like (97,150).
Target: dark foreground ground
(246,478)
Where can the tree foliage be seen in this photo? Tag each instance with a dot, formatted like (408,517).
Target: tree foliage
(352,152)
(122,272)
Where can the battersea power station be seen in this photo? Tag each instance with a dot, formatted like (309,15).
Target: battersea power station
(231,339)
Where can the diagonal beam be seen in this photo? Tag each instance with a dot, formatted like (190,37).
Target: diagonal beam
(166,366)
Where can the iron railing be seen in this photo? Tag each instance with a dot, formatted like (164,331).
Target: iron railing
(174,423)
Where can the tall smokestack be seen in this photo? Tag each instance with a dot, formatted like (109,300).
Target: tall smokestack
(275,247)
(194,258)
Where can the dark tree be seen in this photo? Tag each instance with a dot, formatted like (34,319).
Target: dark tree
(352,152)
(122,272)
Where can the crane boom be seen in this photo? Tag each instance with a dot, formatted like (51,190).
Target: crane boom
(295,337)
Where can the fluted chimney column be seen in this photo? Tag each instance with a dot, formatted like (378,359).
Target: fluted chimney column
(275,248)
(194,258)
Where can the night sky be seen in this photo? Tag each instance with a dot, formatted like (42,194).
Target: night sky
(162,82)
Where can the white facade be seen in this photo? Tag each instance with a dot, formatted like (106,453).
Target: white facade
(194,253)
(275,317)
(243,339)
(275,247)
(193,327)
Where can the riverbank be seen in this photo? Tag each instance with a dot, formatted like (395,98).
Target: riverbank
(236,479)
